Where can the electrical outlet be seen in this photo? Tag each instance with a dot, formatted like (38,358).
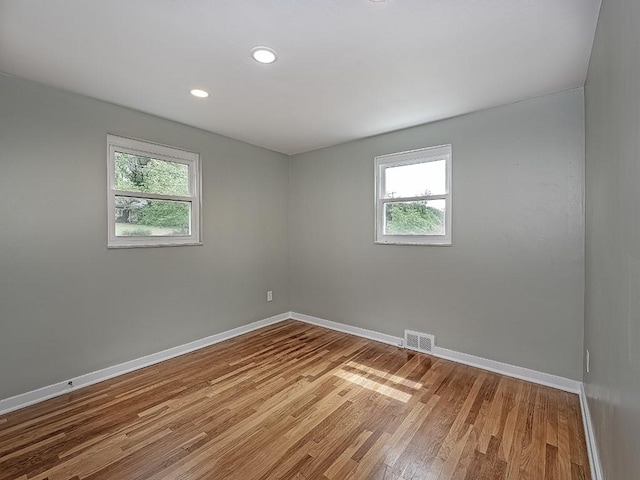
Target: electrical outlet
(269,296)
(587,361)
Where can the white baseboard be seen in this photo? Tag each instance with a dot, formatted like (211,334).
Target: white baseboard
(35,396)
(534,376)
(341,327)
(521,373)
(592,447)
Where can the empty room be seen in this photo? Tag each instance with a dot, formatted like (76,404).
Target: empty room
(319,239)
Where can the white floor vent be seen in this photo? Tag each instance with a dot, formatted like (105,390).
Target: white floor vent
(421,342)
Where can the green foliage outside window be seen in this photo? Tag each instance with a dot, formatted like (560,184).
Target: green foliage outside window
(413,218)
(146,175)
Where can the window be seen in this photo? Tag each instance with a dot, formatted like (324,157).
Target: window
(154,194)
(413,197)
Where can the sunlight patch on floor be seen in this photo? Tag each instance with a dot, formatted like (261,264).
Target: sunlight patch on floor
(375,386)
(394,378)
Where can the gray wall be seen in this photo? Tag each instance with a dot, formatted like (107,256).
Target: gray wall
(68,305)
(612,326)
(511,286)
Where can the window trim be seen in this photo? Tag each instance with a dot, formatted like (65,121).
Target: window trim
(160,152)
(411,157)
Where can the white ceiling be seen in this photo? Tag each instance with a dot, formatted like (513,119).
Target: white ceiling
(347,68)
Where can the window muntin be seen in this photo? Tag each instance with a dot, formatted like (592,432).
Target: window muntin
(153,194)
(413,197)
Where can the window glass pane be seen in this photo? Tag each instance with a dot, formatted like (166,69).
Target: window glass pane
(415,218)
(143,174)
(418,179)
(145,217)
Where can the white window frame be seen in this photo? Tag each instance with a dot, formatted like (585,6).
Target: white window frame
(161,152)
(412,157)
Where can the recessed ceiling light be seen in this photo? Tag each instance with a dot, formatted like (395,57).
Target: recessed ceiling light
(196,92)
(264,55)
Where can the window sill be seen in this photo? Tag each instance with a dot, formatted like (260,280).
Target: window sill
(153,245)
(414,244)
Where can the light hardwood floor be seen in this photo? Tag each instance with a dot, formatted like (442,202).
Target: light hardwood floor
(294,401)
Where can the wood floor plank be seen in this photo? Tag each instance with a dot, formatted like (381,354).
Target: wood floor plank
(296,401)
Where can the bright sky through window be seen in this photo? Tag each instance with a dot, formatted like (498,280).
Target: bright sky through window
(415,180)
